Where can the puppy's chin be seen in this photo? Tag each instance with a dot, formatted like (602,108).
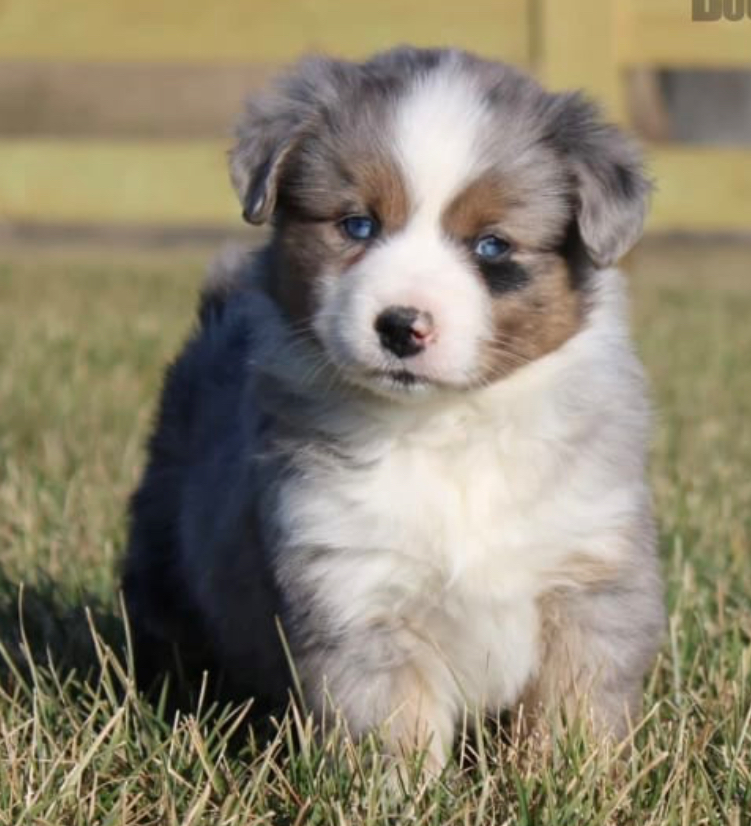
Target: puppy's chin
(410,382)
(403,384)
(398,385)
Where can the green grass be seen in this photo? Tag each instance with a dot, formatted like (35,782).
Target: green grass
(83,340)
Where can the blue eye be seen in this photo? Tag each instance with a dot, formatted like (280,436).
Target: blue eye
(491,248)
(359,227)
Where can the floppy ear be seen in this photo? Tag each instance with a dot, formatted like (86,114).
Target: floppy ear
(269,129)
(256,162)
(611,186)
(272,126)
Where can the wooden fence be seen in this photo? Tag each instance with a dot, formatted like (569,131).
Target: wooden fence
(124,172)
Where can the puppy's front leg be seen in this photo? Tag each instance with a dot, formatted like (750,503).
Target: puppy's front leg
(419,722)
(596,648)
(401,704)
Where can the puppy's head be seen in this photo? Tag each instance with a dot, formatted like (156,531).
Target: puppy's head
(437,218)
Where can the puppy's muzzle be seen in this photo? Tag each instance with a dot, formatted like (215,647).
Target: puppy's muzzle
(404,331)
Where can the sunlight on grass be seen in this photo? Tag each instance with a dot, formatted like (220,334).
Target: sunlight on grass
(84,337)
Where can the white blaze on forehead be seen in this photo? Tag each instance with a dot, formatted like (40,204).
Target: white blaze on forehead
(438,134)
(441,126)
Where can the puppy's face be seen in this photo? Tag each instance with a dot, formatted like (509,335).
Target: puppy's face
(437,218)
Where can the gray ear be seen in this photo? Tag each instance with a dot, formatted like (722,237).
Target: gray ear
(272,126)
(255,165)
(268,131)
(611,187)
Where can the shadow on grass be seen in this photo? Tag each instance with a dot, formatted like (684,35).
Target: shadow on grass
(83,639)
(41,625)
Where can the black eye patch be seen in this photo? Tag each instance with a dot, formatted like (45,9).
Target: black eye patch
(503,276)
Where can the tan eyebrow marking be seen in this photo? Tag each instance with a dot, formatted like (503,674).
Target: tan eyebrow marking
(481,204)
(380,184)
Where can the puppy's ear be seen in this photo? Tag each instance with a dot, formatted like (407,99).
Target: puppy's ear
(272,126)
(611,186)
(264,142)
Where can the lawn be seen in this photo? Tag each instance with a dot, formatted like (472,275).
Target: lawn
(84,335)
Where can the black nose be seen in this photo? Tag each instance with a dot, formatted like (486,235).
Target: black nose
(403,330)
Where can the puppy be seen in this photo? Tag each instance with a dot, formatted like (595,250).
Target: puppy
(408,436)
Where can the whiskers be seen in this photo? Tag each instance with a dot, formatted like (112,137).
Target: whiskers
(302,358)
(303,353)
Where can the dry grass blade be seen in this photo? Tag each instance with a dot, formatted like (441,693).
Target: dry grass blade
(83,339)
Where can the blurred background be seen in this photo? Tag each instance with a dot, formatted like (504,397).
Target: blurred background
(115,115)
(115,119)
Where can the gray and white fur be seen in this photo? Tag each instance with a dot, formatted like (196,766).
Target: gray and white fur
(411,431)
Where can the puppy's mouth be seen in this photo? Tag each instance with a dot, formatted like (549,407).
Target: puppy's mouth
(405,378)
(399,381)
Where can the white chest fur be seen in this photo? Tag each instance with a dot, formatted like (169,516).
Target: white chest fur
(455,522)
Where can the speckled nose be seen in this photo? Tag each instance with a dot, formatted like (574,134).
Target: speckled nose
(404,331)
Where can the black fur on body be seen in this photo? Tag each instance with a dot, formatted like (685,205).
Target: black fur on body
(196,466)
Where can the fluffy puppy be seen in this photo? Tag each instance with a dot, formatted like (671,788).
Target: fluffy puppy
(411,431)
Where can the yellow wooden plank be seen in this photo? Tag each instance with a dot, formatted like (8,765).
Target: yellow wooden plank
(662,33)
(170,183)
(254,30)
(124,99)
(701,188)
(185,183)
(575,49)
